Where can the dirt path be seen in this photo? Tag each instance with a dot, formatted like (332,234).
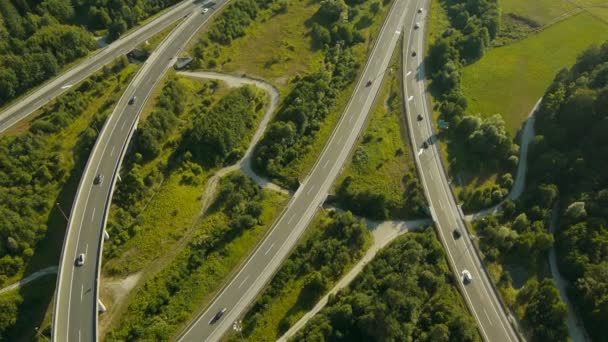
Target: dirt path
(30,278)
(383,233)
(577,331)
(527,135)
(245,163)
(120,288)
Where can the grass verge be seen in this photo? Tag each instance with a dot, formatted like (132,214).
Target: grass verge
(380,180)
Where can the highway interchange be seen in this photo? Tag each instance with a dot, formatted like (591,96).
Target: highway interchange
(269,254)
(75,316)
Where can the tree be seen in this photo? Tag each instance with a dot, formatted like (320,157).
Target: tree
(546,314)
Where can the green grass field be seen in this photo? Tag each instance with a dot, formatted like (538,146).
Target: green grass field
(382,161)
(510,79)
(545,12)
(275,47)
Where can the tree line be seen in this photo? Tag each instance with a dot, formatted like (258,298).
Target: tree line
(37,164)
(569,152)
(38,38)
(35,167)
(303,111)
(320,260)
(403,294)
(220,136)
(474,144)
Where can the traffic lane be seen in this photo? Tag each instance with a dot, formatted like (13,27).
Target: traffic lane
(489,315)
(446,213)
(300,203)
(92,239)
(83,305)
(459,254)
(80,72)
(480,293)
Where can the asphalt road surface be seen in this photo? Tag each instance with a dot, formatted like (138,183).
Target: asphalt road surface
(75,315)
(269,254)
(480,297)
(62,83)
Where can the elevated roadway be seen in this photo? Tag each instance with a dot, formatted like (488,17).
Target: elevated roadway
(76,298)
(60,84)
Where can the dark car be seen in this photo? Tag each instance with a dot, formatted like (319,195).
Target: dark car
(456,233)
(133,100)
(369,83)
(98,179)
(425,145)
(414,54)
(419,117)
(218,316)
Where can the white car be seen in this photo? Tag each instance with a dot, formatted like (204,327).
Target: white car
(417,25)
(466,277)
(420,10)
(80,259)
(205,10)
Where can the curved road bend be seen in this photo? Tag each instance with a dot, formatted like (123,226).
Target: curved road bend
(60,84)
(265,260)
(75,315)
(479,294)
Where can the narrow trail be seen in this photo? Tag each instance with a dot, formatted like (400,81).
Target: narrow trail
(30,278)
(576,330)
(383,233)
(211,187)
(527,135)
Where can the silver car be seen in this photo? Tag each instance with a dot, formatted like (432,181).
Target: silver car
(80,259)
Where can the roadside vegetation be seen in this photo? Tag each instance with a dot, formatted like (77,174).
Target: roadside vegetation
(525,67)
(381,180)
(476,146)
(403,294)
(485,86)
(38,39)
(164,176)
(334,243)
(566,182)
(23,312)
(42,161)
(163,304)
(168,228)
(314,70)
(575,109)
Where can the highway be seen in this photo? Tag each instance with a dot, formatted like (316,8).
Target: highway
(269,254)
(24,107)
(75,312)
(479,295)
